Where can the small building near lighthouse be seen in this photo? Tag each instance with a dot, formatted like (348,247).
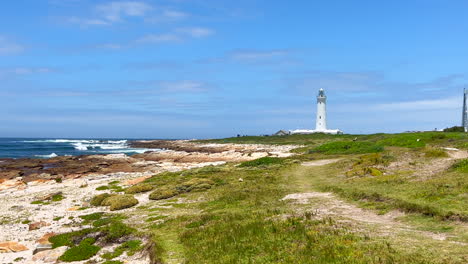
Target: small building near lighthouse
(321,118)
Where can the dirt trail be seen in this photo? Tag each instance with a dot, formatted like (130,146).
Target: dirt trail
(325,204)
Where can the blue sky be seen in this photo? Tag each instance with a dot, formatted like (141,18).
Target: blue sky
(216,68)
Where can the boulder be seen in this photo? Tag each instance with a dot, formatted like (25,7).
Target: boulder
(11,246)
(37,225)
(44,240)
(49,256)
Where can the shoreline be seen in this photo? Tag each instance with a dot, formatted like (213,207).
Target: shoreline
(27,216)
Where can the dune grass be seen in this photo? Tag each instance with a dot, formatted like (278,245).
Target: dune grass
(247,222)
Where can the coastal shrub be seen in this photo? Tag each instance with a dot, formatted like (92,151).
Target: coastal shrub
(139,188)
(83,251)
(261,162)
(102,188)
(57,197)
(119,202)
(461,166)
(116,230)
(98,199)
(405,140)
(92,217)
(69,239)
(196,184)
(348,147)
(131,246)
(435,153)
(163,193)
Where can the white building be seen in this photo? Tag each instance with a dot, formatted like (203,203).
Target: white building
(321,120)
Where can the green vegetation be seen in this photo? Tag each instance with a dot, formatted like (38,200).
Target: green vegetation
(261,162)
(139,188)
(131,246)
(98,199)
(455,129)
(83,251)
(163,193)
(218,219)
(108,229)
(348,147)
(119,202)
(435,153)
(461,166)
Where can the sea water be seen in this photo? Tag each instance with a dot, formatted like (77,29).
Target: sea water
(49,148)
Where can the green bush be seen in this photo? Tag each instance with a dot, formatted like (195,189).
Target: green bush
(139,188)
(261,162)
(435,153)
(98,199)
(83,251)
(461,166)
(196,184)
(455,129)
(116,230)
(405,140)
(348,147)
(119,202)
(92,217)
(163,193)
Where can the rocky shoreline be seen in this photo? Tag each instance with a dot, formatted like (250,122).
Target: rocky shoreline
(27,185)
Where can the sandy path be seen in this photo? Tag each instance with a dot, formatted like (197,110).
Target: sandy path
(325,204)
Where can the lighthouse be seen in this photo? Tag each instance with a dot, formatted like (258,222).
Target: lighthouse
(321,121)
(321,118)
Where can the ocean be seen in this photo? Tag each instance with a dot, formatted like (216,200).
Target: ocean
(49,148)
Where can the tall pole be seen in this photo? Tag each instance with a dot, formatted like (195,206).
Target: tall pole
(465,114)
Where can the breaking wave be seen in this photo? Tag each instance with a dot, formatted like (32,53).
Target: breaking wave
(52,155)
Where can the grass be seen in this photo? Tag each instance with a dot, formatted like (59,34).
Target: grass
(348,147)
(435,153)
(461,166)
(442,197)
(139,188)
(119,202)
(83,251)
(261,162)
(108,229)
(246,222)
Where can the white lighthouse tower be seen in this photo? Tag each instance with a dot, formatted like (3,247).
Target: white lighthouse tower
(321,121)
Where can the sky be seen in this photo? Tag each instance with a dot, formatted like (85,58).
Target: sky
(218,68)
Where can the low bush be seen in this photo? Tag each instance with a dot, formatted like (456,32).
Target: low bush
(261,162)
(163,193)
(98,199)
(116,230)
(348,147)
(196,184)
(119,202)
(435,153)
(461,166)
(139,188)
(83,251)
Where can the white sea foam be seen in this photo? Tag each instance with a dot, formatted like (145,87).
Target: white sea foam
(52,155)
(80,146)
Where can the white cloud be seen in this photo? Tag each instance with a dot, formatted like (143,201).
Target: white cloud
(183,86)
(431,104)
(14,71)
(196,32)
(178,35)
(9,48)
(254,55)
(115,11)
(112,12)
(159,38)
